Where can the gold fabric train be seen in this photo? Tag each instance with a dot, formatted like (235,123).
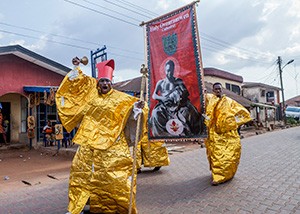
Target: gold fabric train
(223,147)
(151,153)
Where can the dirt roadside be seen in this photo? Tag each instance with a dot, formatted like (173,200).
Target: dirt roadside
(23,168)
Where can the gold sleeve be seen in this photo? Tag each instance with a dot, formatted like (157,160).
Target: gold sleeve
(72,99)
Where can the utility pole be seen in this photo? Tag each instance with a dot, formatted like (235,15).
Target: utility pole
(296,76)
(279,61)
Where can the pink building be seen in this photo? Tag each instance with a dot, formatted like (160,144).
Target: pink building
(27,85)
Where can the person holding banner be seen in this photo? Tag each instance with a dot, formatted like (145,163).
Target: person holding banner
(223,148)
(101,171)
(173,105)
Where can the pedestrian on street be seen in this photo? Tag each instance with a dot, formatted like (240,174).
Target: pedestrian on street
(101,171)
(223,117)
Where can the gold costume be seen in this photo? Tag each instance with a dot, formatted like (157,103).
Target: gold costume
(223,143)
(102,166)
(151,153)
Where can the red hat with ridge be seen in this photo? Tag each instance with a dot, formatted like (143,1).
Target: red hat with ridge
(106,69)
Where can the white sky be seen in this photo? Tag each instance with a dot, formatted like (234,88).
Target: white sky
(242,37)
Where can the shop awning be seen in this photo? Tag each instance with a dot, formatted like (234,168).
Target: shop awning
(30,89)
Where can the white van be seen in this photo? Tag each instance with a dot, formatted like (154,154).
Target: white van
(292,111)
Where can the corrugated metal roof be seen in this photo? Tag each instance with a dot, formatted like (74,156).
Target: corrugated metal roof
(260,85)
(294,101)
(35,58)
(222,74)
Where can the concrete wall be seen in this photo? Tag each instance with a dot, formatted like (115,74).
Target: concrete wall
(254,94)
(17,73)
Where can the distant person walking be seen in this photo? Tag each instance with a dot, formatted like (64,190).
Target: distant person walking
(2,130)
(223,117)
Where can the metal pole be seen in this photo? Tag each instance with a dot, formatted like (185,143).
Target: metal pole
(282,92)
(280,73)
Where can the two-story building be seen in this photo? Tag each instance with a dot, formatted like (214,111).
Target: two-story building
(266,100)
(261,93)
(231,82)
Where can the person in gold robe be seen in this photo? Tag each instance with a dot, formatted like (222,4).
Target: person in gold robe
(101,171)
(223,117)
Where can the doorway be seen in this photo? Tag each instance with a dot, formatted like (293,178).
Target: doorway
(6,116)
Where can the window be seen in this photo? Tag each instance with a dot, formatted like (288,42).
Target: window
(263,93)
(236,89)
(270,96)
(51,113)
(24,114)
(227,85)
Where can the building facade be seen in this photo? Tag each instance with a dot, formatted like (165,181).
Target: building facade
(27,85)
(266,100)
(231,82)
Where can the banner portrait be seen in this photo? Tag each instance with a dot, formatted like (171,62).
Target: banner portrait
(175,75)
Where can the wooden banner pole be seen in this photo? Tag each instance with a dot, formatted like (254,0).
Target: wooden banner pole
(139,120)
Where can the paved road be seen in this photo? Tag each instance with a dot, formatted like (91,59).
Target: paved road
(267,181)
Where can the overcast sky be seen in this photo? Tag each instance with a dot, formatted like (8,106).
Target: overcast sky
(244,37)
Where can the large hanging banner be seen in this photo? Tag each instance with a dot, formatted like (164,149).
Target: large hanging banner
(175,75)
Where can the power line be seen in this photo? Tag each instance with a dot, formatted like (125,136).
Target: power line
(125,50)
(85,48)
(125,56)
(227,44)
(111,10)
(127,9)
(248,53)
(138,7)
(51,34)
(65,37)
(269,76)
(48,40)
(65,44)
(105,14)
(214,49)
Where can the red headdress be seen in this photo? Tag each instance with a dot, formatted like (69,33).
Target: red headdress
(106,69)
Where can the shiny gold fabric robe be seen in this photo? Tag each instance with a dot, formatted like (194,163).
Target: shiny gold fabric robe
(102,167)
(151,153)
(223,147)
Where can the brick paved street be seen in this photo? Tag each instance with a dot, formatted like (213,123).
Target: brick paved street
(267,181)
